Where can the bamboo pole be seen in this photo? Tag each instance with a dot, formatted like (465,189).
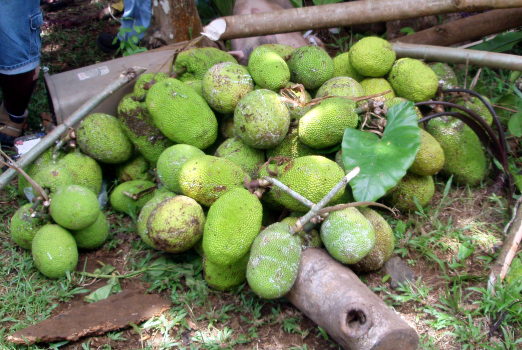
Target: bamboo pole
(73,119)
(454,55)
(341,14)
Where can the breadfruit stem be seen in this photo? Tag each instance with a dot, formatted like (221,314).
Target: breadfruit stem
(356,204)
(288,191)
(320,205)
(69,136)
(136,196)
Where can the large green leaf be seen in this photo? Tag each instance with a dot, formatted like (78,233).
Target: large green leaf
(501,43)
(383,161)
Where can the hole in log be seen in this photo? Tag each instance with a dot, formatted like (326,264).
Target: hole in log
(355,319)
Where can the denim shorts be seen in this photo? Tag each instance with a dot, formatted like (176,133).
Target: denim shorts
(20,43)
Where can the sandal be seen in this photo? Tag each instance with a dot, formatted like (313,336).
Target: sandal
(9,130)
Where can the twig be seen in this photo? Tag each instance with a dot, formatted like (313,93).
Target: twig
(288,191)
(136,196)
(355,204)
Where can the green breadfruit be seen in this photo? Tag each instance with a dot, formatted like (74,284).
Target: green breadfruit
(206,178)
(52,176)
(290,147)
(176,224)
(93,236)
(227,127)
(430,157)
(197,85)
(23,227)
(465,158)
(342,87)
(137,125)
(396,100)
(413,80)
(170,163)
(384,243)
(372,86)
(101,137)
(268,69)
(74,207)
(372,56)
(445,74)
(274,261)
(181,114)
(248,158)
(193,63)
(143,191)
(136,168)
(42,161)
(225,84)
(261,119)
(347,235)
(285,51)
(473,103)
(310,238)
(141,223)
(54,251)
(343,67)
(225,277)
(297,103)
(310,66)
(233,222)
(323,126)
(411,189)
(84,170)
(145,82)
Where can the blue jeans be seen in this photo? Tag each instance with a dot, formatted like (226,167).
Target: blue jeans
(136,14)
(20,43)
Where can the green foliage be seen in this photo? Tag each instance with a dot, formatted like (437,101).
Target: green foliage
(500,43)
(130,46)
(325,2)
(383,161)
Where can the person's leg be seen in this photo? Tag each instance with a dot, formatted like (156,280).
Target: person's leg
(137,15)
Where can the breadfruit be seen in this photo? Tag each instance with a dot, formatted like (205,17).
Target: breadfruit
(137,125)
(136,168)
(92,236)
(372,86)
(206,178)
(145,82)
(74,207)
(474,104)
(372,56)
(274,261)
(310,238)
(141,223)
(445,74)
(42,161)
(23,227)
(310,66)
(225,277)
(52,176)
(261,119)
(120,200)
(430,157)
(347,235)
(176,224)
(323,126)
(170,163)
(342,87)
(248,158)
(268,69)
(193,63)
(412,188)
(285,51)
(181,114)
(101,137)
(396,100)
(84,170)
(227,127)
(464,156)
(343,67)
(225,84)
(296,105)
(413,80)
(197,85)
(54,251)
(233,222)
(384,243)
(290,147)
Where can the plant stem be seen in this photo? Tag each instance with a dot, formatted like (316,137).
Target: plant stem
(289,191)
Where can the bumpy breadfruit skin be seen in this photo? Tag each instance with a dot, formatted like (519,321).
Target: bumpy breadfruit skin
(141,224)
(101,137)
(225,84)
(93,236)
(372,56)
(285,51)
(136,168)
(181,114)
(248,158)
(343,67)
(274,261)
(170,163)
(309,238)
(54,251)
(145,82)
(137,125)
(268,69)
(193,63)
(323,126)
(347,235)
(84,170)
(409,188)
(413,80)
(206,178)
(23,227)
(52,176)
(474,104)
(123,203)
(233,222)
(197,85)
(447,77)
(261,119)
(430,158)
(290,147)
(74,207)
(176,224)
(42,161)
(372,86)
(342,87)
(384,243)
(225,277)
(296,106)
(310,66)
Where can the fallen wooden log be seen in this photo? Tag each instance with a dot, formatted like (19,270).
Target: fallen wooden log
(332,296)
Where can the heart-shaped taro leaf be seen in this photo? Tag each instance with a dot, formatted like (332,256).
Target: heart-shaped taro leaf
(383,161)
